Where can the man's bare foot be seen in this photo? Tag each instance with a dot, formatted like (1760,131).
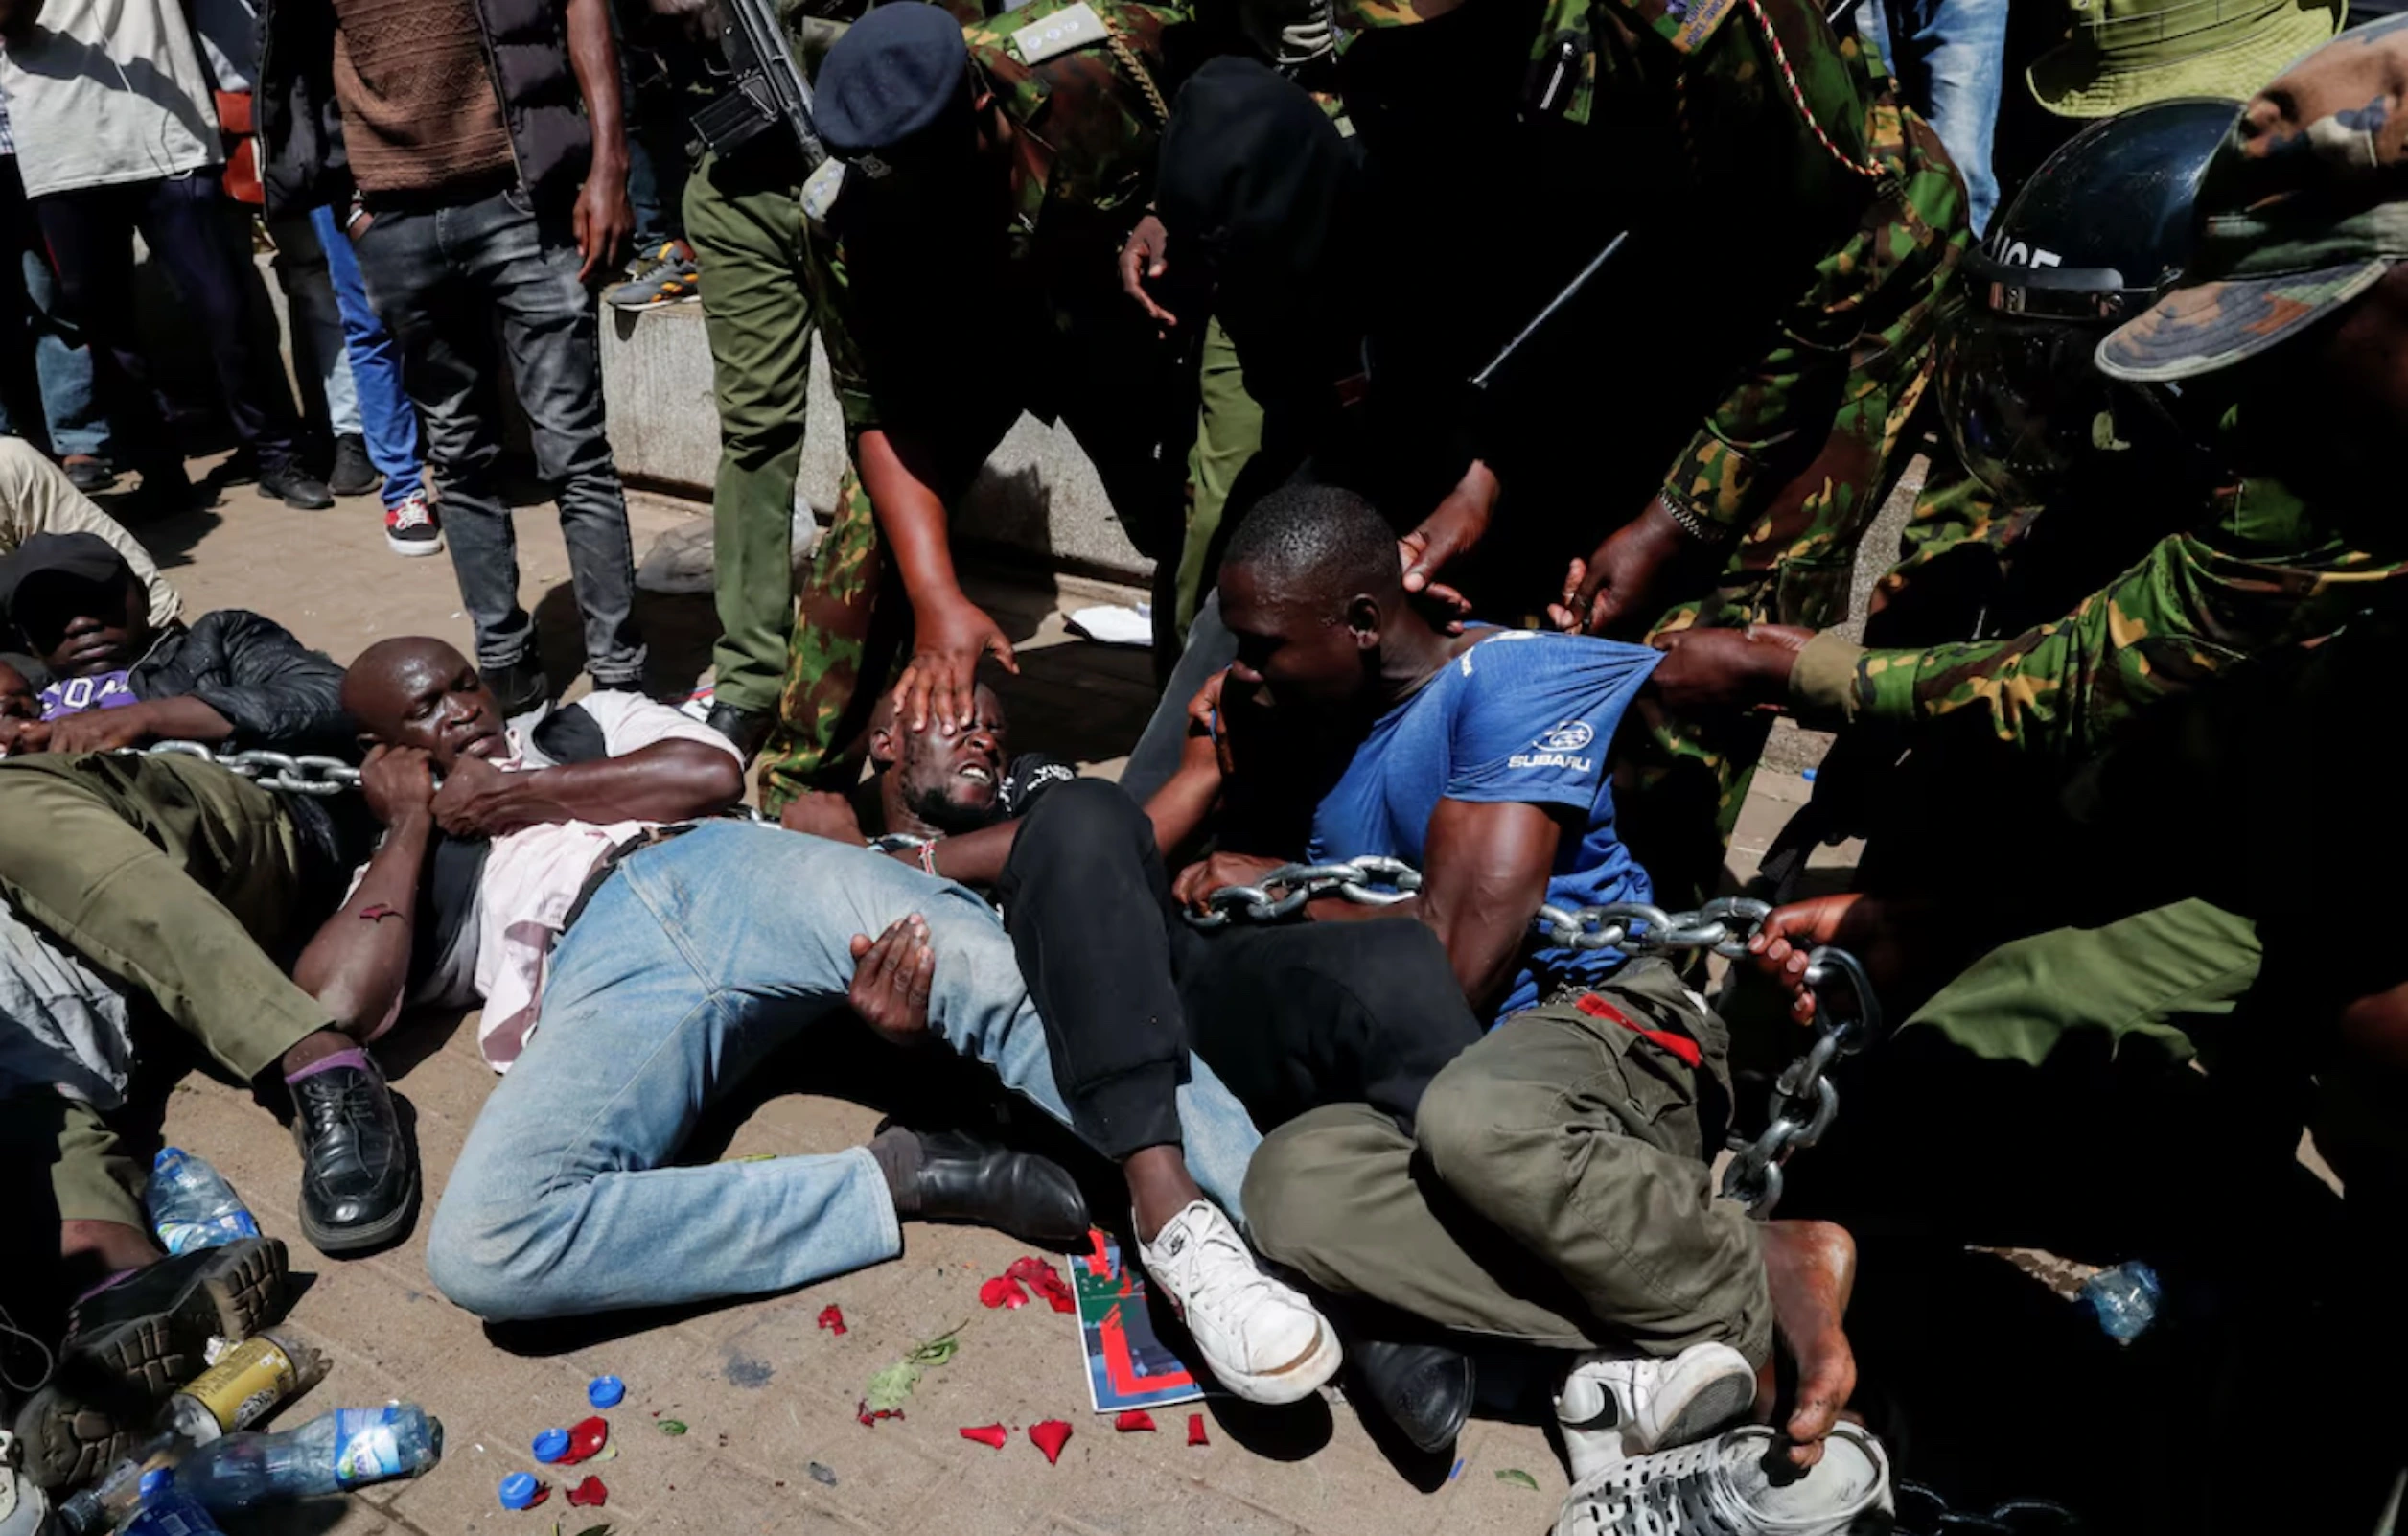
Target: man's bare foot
(1811,1269)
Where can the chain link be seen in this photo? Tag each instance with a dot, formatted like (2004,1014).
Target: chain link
(1804,1101)
(296,775)
(1369,881)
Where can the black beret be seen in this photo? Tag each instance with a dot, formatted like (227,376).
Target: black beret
(893,73)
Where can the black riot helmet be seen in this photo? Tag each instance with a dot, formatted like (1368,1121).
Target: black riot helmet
(2098,232)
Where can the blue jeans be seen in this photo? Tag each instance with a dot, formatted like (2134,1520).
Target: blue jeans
(441,275)
(1950,60)
(693,963)
(388,422)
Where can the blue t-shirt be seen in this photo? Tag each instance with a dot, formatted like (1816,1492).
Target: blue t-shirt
(1522,716)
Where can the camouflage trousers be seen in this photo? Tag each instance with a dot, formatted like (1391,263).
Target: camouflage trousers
(853,622)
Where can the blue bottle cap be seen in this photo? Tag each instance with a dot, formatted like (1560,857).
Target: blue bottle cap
(606,1392)
(519,1490)
(551,1445)
(154,1482)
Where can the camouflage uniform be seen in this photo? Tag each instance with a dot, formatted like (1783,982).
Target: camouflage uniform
(1693,111)
(1045,329)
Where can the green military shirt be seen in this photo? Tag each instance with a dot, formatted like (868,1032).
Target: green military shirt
(2266,570)
(1089,120)
(1736,116)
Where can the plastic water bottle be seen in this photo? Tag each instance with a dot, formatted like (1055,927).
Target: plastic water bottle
(191,1204)
(2124,1299)
(243,1384)
(103,1507)
(166,1510)
(336,1450)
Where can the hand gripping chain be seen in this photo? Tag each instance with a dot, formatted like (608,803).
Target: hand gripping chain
(1804,1102)
(269,770)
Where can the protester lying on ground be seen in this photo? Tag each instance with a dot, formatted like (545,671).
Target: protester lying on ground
(1352,726)
(654,953)
(1083,897)
(176,881)
(36,497)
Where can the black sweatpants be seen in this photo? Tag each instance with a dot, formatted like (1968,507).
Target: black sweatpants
(1292,1016)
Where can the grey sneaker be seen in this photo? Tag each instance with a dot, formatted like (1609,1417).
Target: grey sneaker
(670,277)
(1739,1484)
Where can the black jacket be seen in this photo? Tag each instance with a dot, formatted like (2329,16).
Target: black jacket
(279,694)
(303,162)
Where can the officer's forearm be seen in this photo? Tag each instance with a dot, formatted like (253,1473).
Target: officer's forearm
(911,520)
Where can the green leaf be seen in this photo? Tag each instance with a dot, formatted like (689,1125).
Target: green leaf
(1518,1479)
(940,1349)
(609,1453)
(890,1387)
(672,1426)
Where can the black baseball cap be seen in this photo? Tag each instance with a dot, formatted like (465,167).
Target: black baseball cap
(86,556)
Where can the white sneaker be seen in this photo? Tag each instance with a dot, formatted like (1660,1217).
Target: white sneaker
(1739,1484)
(1264,1341)
(1613,1408)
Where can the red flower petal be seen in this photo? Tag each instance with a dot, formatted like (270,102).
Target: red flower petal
(1003,1292)
(832,1318)
(1051,1437)
(1133,1419)
(543,1491)
(1045,1280)
(866,1414)
(589,1491)
(1195,1429)
(586,1436)
(994,1434)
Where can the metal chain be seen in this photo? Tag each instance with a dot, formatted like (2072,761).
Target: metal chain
(296,775)
(1804,1101)
(1369,881)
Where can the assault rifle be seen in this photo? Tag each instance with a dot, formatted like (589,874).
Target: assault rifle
(770,88)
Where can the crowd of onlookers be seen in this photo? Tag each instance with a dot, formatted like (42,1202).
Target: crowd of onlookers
(1504,391)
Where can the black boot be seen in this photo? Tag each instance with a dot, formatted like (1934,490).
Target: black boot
(520,687)
(134,1343)
(1423,1389)
(358,1183)
(352,474)
(961,1178)
(746,728)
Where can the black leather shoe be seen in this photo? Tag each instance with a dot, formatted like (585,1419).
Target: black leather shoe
(295,487)
(518,688)
(1033,1198)
(89,473)
(135,1344)
(358,1183)
(747,729)
(1423,1389)
(352,474)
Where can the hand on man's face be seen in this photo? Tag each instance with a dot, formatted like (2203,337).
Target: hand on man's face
(471,802)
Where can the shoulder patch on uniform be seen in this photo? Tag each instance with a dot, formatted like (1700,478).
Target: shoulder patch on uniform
(819,192)
(1685,24)
(1074,26)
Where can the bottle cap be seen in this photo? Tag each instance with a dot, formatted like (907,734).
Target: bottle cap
(551,1445)
(154,1482)
(606,1392)
(519,1490)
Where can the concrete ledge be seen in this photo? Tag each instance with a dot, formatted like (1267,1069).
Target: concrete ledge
(1038,495)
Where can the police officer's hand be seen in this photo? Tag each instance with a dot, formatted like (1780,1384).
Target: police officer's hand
(1449,532)
(940,685)
(892,978)
(397,783)
(1867,927)
(1144,259)
(1618,590)
(1727,668)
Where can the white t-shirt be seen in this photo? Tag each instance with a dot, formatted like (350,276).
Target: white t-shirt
(110,91)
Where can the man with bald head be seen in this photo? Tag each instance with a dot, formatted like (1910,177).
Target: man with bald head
(636,950)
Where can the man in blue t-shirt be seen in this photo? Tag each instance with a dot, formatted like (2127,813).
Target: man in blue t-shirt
(1570,1205)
